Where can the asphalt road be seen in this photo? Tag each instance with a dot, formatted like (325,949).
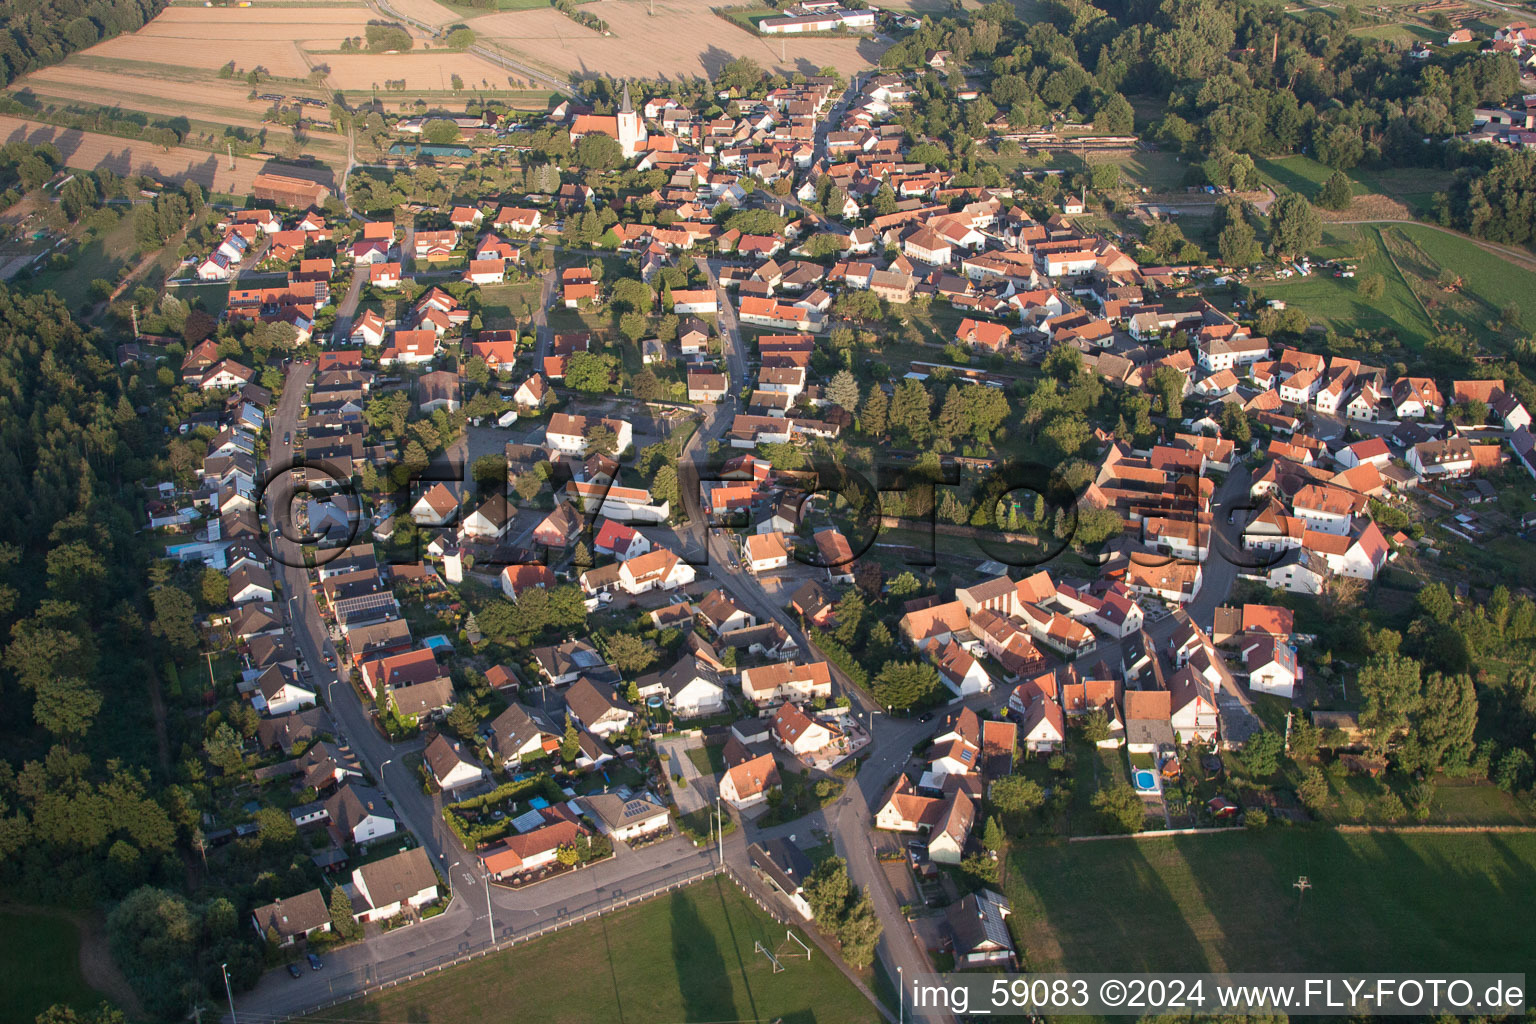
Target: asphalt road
(467,923)
(465,926)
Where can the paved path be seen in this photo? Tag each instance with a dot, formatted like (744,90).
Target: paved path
(693,796)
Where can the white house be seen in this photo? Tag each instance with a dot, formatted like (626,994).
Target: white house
(278,692)
(360,814)
(624,504)
(946,843)
(626,818)
(215,268)
(764,552)
(368,329)
(436,507)
(389,886)
(489,522)
(452,765)
(798,733)
(656,570)
(781,681)
(960,672)
(1044,728)
(568,434)
(1192,706)
(749,783)
(691,687)
(620,541)
(1271,666)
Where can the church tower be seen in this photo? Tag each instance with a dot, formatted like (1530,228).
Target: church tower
(631,126)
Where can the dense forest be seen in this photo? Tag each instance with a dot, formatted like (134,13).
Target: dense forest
(41,33)
(86,815)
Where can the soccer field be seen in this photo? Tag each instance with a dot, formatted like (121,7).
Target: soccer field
(685,956)
(1378,902)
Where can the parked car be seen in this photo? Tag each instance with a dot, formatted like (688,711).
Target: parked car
(314,962)
(293,969)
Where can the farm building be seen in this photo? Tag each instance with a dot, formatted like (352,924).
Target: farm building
(285,190)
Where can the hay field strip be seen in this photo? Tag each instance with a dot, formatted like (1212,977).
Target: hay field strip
(118,94)
(428,70)
(90,150)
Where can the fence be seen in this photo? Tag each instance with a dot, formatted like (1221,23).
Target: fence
(415,973)
(762,904)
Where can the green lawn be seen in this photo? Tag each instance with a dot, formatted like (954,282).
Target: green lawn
(1337,302)
(1378,902)
(94,256)
(500,304)
(685,956)
(40,965)
(1297,173)
(1491,281)
(709,760)
(1414,187)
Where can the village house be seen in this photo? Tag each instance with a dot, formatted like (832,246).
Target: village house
(386,888)
(748,784)
(452,765)
(626,819)
(786,681)
(800,734)
(598,709)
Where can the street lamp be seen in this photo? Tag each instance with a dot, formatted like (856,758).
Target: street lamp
(490,916)
(901,996)
(224,968)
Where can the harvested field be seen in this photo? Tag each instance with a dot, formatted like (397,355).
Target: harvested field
(426,11)
(279,57)
(88,151)
(684,39)
(214,101)
(211,37)
(430,70)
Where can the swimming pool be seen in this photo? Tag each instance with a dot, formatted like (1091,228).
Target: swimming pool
(1145,781)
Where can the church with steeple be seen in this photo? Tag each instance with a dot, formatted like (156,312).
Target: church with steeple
(628,127)
(631,126)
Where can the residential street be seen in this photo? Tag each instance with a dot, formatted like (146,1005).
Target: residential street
(464,927)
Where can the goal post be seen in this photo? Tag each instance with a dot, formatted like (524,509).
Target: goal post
(758,947)
(790,936)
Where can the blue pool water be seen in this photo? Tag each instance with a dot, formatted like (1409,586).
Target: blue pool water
(1145,780)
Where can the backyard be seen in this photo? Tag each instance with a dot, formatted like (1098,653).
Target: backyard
(1227,902)
(688,955)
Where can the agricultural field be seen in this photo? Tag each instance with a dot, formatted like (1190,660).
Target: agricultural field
(1378,902)
(1337,301)
(428,11)
(161,93)
(425,71)
(89,150)
(1434,280)
(273,38)
(684,40)
(687,955)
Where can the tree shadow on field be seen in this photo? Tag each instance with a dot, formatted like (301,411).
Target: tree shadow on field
(700,965)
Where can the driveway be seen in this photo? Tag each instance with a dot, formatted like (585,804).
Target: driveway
(698,793)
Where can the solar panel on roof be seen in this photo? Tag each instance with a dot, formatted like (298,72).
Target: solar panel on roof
(528,822)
